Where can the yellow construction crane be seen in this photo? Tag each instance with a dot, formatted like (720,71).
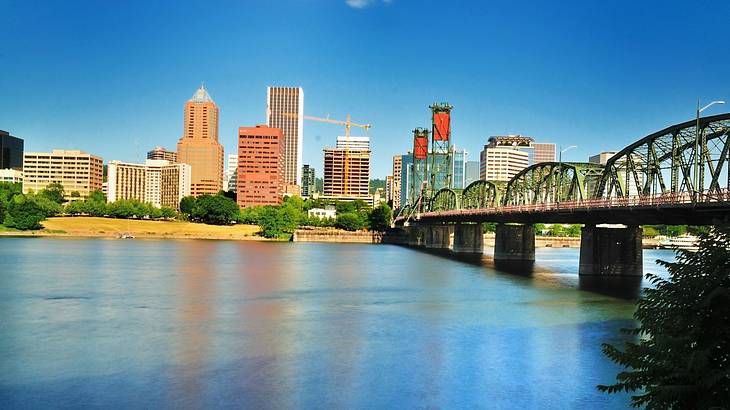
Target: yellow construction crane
(348,124)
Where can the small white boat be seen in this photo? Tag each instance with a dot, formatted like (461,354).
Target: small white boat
(126,236)
(688,242)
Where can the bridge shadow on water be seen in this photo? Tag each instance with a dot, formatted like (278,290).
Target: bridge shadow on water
(621,287)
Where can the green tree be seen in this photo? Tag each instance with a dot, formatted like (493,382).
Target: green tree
(350,221)
(556,230)
(54,192)
(380,218)
(186,205)
(215,210)
(75,194)
(24,213)
(96,195)
(573,230)
(167,212)
(681,359)
(278,222)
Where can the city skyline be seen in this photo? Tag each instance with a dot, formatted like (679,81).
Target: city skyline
(599,94)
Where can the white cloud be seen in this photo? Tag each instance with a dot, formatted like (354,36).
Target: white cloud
(361,4)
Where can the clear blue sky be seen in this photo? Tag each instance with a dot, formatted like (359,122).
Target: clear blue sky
(100,75)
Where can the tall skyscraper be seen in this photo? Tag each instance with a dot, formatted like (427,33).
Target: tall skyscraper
(397,172)
(157,181)
(11,151)
(199,145)
(459,170)
(285,110)
(351,157)
(231,175)
(260,179)
(308,181)
(75,170)
(471,172)
(160,153)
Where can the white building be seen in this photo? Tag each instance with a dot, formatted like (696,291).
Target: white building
(230,175)
(11,175)
(321,213)
(501,164)
(156,181)
(353,142)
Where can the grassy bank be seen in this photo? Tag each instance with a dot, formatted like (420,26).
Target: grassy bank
(112,228)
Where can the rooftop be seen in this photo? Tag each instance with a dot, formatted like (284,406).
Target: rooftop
(201,96)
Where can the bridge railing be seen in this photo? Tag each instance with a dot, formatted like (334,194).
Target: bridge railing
(642,201)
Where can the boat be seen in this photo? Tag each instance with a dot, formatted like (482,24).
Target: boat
(126,236)
(688,242)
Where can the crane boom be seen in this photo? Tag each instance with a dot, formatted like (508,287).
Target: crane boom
(348,124)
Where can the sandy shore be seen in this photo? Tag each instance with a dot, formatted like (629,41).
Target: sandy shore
(92,227)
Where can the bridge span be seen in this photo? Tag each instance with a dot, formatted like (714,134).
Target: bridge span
(675,176)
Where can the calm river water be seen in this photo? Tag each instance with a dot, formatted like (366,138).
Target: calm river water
(217,324)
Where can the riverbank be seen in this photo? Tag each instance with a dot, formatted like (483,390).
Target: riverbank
(94,227)
(336,235)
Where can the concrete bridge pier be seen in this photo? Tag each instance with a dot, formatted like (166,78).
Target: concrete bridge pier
(611,251)
(514,243)
(468,238)
(417,235)
(439,236)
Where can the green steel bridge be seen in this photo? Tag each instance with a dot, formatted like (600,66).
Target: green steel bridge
(678,175)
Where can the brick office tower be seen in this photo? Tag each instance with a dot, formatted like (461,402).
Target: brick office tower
(260,166)
(199,145)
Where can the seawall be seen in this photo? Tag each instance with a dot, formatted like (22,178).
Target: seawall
(336,235)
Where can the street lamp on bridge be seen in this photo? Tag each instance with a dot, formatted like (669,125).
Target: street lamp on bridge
(560,171)
(698,157)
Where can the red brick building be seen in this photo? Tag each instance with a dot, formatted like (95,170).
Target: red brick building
(260,166)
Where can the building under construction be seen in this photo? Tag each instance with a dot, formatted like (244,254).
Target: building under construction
(347,169)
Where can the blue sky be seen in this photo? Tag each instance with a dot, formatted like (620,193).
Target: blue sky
(111,78)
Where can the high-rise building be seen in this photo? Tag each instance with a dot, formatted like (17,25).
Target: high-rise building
(397,172)
(157,181)
(11,151)
(231,175)
(347,169)
(389,185)
(76,171)
(199,145)
(543,152)
(285,110)
(471,172)
(160,153)
(260,179)
(405,178)
(308,181)
(459,170)
(601,158)
(504,157)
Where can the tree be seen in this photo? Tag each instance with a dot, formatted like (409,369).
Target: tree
(215,210)
(24,213)
(277,222)
(573,230)
(168,213)
(75,194)
(54,192)
(380,218)
(350,221)
(681,359)
(556,230)
(186,205)
(96,195)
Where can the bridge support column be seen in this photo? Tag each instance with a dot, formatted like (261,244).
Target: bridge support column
(439,236)
(417,235)
(468,238)
(514,243)
(611,251)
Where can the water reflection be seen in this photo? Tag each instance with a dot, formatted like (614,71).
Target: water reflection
(205,324)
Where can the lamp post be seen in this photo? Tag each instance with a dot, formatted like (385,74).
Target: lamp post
(698,159)
(560,171)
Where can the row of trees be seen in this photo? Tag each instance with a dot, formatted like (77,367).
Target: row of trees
(26,211)
(281,220)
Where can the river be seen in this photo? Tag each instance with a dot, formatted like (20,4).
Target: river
(223,324)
